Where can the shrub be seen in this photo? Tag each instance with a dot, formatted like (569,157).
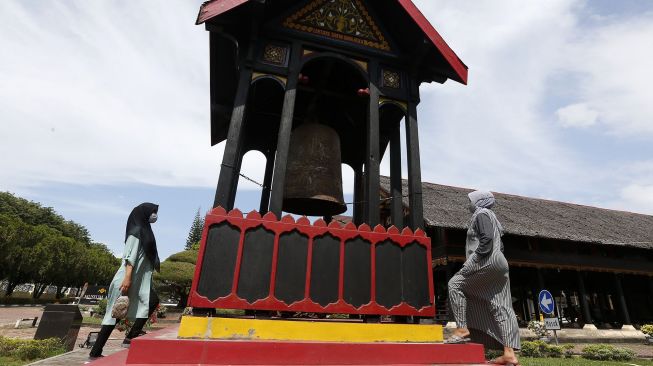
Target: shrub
(533,349)
(29,349)
(604,352)
(538,328)
(647,329)
(7,345)
(100,308)
(540,349)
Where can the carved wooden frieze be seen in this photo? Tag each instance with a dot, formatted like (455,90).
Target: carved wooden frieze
(345,20)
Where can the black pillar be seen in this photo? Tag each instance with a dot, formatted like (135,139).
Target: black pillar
(650,290)
(267,182)
(585,308)
(527,310)
(625,316)
(372,159)
(540,281)
(358,195)
(285,129)
(396,204)
(236,180)
(414,169)
(229,172)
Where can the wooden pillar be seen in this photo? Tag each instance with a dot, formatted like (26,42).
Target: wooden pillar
(372,159)
(267,182)
(527,311)
(358,195)
(234,188)
(540,281)
(414,169)
(650,290)
(625,316)
(396,204)
(225,193)
(585,308)
(285,129)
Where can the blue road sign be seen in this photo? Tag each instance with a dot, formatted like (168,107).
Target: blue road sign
(546,302)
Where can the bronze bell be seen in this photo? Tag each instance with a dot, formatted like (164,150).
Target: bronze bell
(313,176)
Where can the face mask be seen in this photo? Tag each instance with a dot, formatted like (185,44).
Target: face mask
(153,217)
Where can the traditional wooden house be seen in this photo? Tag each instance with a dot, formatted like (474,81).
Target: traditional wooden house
(598,263)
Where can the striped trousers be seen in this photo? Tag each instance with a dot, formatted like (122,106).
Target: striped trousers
(480,299)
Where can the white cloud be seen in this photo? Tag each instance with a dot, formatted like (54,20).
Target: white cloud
(577,115)
(106,92)
(616,73)
(490,133)
(638,197)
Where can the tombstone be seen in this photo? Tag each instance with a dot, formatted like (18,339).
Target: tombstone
(60,321)
(93,295)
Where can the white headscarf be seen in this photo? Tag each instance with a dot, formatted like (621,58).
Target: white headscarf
(484,200)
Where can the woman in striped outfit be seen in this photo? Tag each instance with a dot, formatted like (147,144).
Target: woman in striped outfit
(480,292)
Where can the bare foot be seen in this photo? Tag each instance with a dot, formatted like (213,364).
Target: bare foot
(461,332)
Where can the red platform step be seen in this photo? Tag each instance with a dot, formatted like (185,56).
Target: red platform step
(159,349)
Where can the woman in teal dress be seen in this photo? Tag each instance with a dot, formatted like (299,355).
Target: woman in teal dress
(134,277)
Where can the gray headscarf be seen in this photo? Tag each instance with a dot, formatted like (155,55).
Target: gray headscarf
(484,200)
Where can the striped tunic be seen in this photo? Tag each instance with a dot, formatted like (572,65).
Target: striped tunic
(480,292)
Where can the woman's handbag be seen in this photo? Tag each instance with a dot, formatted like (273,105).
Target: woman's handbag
(120,307)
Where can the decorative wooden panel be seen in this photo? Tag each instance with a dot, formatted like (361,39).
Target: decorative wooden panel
(345,20)
(263,263)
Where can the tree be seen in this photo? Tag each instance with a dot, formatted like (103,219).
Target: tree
(176,276)
(40,246)
(195,234)
(33,213)
(24,261)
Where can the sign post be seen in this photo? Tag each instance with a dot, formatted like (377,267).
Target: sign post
(547,305)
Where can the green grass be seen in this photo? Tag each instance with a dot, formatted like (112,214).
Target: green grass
(579,362)
(91,320)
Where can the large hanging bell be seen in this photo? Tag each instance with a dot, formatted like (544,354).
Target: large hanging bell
(313,184)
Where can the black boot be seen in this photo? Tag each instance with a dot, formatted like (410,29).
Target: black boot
(134,332)
(101,340)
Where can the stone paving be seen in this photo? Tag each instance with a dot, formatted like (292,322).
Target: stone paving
(79,356)
(9,314)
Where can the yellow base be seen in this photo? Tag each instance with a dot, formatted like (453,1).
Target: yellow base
(306,330)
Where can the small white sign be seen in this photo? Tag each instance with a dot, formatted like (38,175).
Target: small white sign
(551,323)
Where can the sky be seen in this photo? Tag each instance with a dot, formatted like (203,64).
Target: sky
(105,104)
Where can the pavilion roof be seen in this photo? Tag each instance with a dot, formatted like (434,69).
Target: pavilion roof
(446,206)
(213,8)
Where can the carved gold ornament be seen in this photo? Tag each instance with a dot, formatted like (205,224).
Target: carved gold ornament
(345,20)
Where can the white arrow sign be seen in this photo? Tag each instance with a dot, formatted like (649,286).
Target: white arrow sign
(546,302)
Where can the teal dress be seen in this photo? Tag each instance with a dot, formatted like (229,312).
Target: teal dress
(139,291)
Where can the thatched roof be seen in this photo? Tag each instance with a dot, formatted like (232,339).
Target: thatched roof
(446,206)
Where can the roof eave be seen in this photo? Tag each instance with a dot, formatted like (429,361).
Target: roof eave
(214,8)
(458,67)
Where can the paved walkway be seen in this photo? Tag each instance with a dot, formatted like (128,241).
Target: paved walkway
(79,356)
(9,314)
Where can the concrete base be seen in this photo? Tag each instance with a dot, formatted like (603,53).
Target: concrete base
(589,327)
(628,327)
(590,334)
